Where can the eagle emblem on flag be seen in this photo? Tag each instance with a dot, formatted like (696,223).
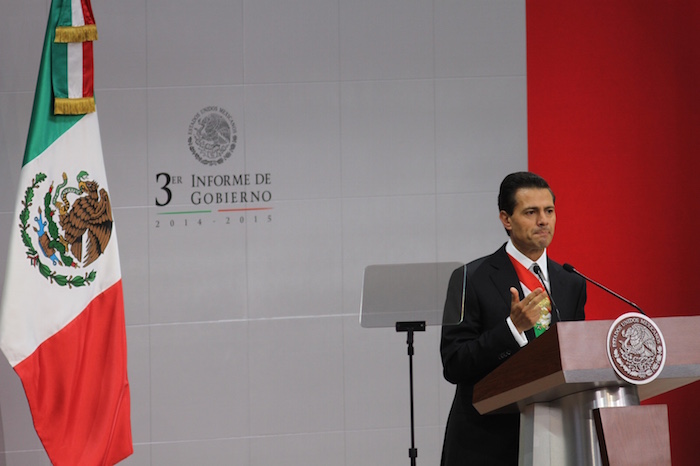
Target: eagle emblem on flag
(72,227)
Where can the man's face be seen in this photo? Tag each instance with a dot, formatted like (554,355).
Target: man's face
(531,226)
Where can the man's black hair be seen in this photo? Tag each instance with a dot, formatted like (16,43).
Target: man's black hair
(515,181)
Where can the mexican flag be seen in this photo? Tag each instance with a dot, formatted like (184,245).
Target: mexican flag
(62,312)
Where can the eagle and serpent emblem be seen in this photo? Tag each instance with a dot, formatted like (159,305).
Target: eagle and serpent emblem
(636,348)
(72,229)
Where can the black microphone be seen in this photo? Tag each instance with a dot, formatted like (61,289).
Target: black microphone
(570,268)
(538,271)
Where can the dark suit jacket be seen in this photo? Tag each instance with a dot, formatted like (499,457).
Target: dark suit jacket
(480,343)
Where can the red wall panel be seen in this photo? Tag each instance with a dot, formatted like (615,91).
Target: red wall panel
(614,125)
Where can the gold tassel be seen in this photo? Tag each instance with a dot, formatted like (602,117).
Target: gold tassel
(81,106)
(69,34)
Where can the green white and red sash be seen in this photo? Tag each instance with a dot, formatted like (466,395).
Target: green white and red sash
(62,323)
(531,281)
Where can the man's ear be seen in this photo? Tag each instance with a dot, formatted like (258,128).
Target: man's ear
(505,220)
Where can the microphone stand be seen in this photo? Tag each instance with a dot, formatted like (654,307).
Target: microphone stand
(570,268)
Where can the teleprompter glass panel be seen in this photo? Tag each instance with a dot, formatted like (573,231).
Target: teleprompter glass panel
(394,293)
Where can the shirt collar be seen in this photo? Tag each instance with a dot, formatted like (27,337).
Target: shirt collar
(526,261)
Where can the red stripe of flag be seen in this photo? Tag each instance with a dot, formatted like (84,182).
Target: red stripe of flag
(87,12)
(80,374)
(88,70)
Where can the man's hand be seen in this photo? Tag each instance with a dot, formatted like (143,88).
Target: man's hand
(525,314)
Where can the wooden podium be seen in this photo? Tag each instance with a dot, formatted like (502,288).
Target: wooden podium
(574,406)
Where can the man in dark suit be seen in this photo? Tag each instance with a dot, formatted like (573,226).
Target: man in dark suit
(501,314)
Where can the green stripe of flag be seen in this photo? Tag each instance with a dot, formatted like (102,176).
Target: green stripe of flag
(65,13)
(45,127)
(59,69)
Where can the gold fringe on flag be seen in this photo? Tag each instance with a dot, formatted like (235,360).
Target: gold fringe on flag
(69,34)
(80,106)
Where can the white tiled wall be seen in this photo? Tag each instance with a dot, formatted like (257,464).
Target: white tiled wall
(386,127)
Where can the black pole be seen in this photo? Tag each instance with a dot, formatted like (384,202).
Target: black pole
(409,328)
(413,451)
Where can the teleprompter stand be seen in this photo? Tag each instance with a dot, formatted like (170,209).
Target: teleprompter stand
(410,328)
(408,297)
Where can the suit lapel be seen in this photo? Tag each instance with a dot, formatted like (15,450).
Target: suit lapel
(503,278)
(557,277)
